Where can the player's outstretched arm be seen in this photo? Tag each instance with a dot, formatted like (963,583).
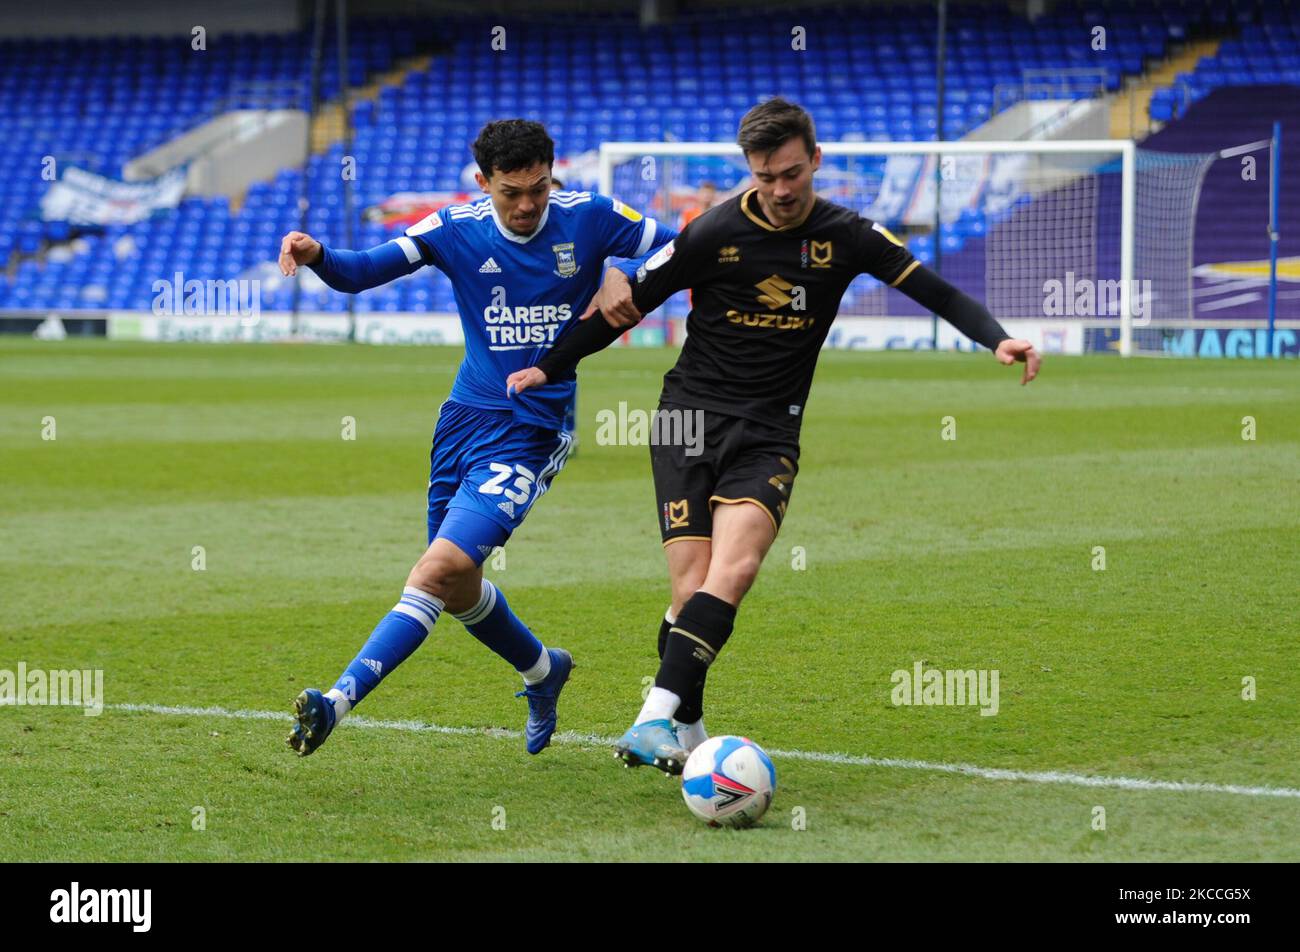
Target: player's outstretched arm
(658,276)
(591,335)
(614,301)
(349,271)
(525,379)
(623,233)
(297,248)
(970,317)
(1013,350)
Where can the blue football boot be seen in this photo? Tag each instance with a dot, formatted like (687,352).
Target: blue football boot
(541,701)
(653,743)
(314,713)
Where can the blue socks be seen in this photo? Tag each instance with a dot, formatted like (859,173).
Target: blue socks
(394,640)
(492,622)
(404,629)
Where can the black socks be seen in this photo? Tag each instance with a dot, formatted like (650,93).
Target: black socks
(689,646)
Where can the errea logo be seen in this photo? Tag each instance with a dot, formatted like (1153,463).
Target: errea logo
(103,905)
(728,255)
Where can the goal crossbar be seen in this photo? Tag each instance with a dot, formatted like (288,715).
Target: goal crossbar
(612,153)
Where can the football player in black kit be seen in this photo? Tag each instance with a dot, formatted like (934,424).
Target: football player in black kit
(767,269)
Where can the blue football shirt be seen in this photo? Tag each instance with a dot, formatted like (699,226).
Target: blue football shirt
(519,294)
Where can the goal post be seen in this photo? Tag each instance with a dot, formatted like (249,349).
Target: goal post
(1027,224)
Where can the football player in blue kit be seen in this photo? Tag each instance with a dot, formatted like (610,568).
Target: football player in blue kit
(523,262)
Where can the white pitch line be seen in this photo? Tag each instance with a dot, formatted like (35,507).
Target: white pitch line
(572,737)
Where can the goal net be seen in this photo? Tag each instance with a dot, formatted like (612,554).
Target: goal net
(1085,244)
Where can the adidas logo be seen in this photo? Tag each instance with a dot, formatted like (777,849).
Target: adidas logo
(373,665)
(489,267)
(507,507)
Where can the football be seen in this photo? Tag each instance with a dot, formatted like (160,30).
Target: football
(729,781)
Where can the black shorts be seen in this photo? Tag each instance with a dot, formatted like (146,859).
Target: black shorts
(714,458)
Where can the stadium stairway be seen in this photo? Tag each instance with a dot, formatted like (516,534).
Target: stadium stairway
(327,128)
(1130,112)
(870,76)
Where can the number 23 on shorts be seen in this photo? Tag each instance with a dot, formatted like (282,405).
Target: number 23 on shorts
(522,487)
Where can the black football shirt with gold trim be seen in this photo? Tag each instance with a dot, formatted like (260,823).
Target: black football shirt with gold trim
(764,298)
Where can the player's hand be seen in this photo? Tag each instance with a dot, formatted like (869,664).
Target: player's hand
(614,301)
(525,379)
(297,248)
(1010,351)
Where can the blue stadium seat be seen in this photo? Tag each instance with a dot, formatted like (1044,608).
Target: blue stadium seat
(866,74)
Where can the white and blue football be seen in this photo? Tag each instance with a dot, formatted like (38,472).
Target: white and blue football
(729,781)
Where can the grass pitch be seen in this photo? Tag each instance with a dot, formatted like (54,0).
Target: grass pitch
(900,546)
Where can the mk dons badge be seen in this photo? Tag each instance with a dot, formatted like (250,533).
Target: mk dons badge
(566,265)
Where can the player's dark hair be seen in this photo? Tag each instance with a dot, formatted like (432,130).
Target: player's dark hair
(509,144)
(772,124)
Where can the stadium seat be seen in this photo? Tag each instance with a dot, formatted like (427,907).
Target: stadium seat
(869,75)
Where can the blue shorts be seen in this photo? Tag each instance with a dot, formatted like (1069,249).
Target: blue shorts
(485,473)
